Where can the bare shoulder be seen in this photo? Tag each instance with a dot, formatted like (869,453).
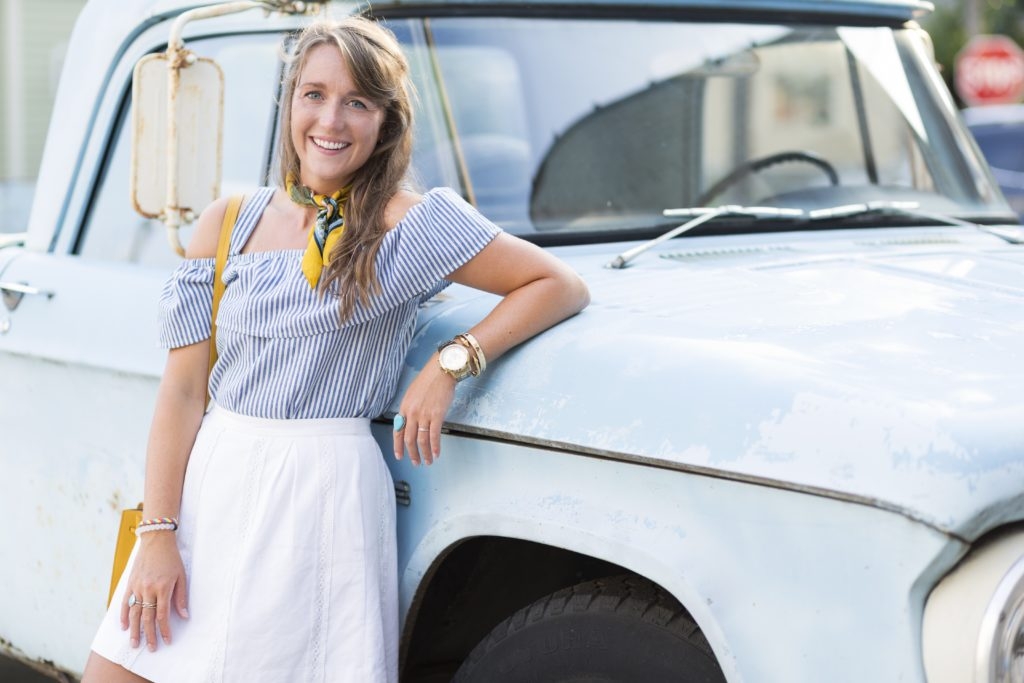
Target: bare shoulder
(399,206)
(204,240)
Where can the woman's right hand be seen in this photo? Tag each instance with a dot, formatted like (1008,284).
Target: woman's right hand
(157,578)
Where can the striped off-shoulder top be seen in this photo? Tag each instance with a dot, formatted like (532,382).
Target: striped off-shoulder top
(283,351)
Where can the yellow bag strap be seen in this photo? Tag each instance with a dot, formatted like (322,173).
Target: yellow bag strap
(230,216)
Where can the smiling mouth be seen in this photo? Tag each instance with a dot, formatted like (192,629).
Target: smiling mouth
(329,145)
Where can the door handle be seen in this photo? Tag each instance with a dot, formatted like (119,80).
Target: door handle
(14,292)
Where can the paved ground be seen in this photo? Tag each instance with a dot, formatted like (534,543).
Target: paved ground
(15,672)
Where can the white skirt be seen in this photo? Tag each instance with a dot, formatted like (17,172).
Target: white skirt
(287,534)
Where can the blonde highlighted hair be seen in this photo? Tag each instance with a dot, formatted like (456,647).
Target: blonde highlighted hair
(381,74)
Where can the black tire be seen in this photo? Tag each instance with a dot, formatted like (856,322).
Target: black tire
(621,629)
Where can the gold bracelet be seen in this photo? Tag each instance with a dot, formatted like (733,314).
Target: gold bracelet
(470,342)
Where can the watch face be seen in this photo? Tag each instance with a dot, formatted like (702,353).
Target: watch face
(454,357)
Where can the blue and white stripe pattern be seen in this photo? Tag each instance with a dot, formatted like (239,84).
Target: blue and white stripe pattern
(283,352)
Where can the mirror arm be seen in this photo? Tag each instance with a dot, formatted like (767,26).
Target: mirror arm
(175,43)
(179,58)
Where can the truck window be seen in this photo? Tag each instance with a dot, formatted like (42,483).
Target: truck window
(251,65)
(820,91)
(583,143)
(492,131)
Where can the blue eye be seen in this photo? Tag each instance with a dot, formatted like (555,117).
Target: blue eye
(358,104)
(313,95)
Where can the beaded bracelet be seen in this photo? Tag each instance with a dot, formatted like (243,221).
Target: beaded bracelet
(159,520)
(156,524)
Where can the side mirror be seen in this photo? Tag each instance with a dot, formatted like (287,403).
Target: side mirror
(177,121)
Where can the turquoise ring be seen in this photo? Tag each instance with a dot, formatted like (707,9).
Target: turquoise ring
(399,423)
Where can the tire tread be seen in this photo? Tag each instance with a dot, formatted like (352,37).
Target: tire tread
(627,595)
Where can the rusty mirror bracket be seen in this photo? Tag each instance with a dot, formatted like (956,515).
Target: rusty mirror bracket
(177,122)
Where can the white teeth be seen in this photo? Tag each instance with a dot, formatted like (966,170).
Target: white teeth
(327,144)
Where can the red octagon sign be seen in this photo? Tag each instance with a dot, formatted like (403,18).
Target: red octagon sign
(990,70)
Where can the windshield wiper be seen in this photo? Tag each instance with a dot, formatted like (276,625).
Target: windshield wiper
(702,215)
(908,210)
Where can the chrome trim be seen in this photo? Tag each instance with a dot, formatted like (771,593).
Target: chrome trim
(14,239)
(403,493)
(1009,592)
(14,292)
(647,461)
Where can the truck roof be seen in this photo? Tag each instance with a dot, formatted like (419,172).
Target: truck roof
(898,9)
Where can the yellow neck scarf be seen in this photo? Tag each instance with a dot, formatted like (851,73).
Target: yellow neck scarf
(326,231)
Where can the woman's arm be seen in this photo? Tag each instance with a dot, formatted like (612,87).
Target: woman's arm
(158,574)
(538,291)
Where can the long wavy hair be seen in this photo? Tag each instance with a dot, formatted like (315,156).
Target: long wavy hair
(381,73)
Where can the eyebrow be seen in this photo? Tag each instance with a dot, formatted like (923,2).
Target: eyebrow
(322,86)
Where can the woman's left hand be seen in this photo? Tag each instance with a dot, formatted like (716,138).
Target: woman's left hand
(423,408)
(537,292)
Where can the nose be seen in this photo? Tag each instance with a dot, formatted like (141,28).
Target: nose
(333,116)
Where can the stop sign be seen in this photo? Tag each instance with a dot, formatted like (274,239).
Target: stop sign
(990,70)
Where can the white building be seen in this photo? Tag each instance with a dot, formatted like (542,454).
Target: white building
(33,39)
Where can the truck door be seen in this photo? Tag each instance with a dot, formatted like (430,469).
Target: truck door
(78,356)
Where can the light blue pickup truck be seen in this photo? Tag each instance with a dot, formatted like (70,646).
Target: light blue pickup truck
(785,443)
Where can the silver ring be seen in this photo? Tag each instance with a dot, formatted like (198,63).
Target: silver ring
(132,601)
(423,429)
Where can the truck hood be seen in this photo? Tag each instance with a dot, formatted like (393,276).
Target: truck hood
(878,366)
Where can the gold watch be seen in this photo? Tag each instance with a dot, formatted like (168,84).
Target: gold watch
(454,359)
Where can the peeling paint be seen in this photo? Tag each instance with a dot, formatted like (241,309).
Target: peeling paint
(908,400)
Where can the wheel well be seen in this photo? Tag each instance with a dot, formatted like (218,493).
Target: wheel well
(476,585)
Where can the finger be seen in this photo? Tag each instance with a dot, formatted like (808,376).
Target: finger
(423,444)
(163,613)
(124,610)
(181,596)
(149,623)
(134,624)
(435,439)
(399,445)
(163,624)
(410,443)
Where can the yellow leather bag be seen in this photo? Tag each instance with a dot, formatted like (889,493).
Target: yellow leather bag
(131,517)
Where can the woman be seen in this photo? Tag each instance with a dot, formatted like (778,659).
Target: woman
(268,550)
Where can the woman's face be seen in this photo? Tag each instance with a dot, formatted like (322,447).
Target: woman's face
(333,126)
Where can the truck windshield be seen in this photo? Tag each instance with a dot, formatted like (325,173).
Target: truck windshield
(572,130)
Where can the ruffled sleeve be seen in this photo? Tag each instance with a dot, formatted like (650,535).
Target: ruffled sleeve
(186,304)
(436,237)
